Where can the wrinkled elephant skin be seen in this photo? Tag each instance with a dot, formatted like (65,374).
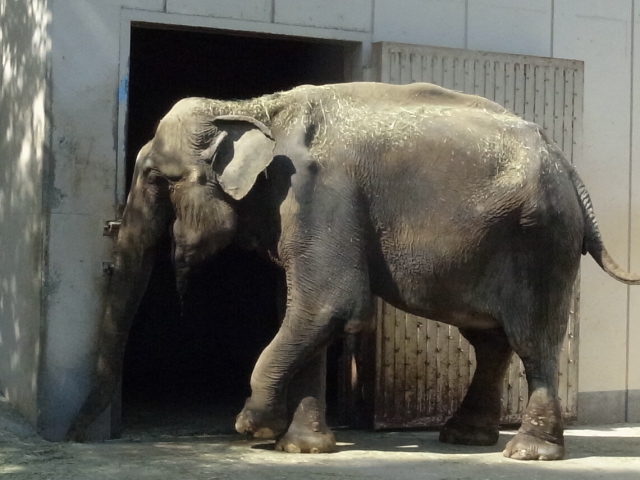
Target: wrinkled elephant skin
(444,205)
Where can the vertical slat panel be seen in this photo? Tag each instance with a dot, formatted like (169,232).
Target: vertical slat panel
(567,145)
(437,75)
(479,82)
(489,81)
(453,370)
(571,402)
(549,99)
(529,92)
(510,85)
(432,368)
(578,99)
(538,95)
(390,371)
(442,372)
(394,68)
(447,72)
(518,101)
(423,367)
(416,68)
(422,377)
(563,380)
(427,68)
(398,360)
(464,370)
(399,377)
(499,73)
(507,393)
(469,76)
(574,321)
(381,367)
(558,114)
(405,68)
(458,74)
(411,370)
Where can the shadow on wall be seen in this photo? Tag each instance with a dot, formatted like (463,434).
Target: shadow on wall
(25,44)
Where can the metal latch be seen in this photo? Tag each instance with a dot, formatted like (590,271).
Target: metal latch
(111,228)
(107,268)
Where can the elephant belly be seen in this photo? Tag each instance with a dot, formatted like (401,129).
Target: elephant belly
(457,290)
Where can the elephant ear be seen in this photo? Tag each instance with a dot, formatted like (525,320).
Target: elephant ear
(242,149)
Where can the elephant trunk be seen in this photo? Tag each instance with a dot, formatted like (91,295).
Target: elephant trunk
(145,221)
(112,337)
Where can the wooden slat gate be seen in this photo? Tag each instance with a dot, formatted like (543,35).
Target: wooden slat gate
(423,368)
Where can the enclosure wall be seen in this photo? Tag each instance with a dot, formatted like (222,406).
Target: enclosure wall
(24,40)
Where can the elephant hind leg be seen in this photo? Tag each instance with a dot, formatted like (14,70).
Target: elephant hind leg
(476,422)
(536,336)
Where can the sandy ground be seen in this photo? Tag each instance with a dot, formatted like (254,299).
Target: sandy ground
(611,452)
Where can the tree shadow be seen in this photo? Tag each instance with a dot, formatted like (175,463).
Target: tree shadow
(25,43)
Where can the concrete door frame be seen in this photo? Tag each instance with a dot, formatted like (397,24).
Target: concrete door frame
(354,70)
(108,425)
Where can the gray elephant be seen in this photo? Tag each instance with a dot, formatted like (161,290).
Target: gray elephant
(443,204)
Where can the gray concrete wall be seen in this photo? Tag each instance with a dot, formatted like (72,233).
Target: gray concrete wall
(24,40)
(89,98)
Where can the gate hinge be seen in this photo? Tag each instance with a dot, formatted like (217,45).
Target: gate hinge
(111,228)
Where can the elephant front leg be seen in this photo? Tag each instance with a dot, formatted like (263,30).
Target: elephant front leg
(308,431)
(265,413)
(313,319)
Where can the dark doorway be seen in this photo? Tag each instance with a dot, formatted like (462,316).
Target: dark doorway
(190,373)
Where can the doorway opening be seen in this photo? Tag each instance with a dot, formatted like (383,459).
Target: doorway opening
(190,373)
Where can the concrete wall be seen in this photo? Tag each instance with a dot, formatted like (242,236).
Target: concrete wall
(89,95)
(24,40)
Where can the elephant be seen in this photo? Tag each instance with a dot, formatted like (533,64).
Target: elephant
(443,204)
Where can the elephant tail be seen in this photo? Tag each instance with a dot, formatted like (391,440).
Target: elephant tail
(593,243)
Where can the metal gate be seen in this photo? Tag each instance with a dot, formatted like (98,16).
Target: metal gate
(423,368)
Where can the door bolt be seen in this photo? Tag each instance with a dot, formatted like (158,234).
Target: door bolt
(107,268)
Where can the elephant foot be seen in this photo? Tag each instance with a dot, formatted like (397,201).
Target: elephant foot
(525,446)
(314,439)
(459,432)
(260,423)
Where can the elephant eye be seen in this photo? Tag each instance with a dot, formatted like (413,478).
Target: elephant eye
(173,178)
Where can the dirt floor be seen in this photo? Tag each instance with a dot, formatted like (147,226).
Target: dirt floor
(167,452)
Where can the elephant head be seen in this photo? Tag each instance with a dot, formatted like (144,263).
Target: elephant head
(209,164)
(187,181)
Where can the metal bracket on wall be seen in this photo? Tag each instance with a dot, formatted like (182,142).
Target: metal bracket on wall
(111,228)
(107,268)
